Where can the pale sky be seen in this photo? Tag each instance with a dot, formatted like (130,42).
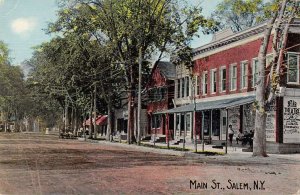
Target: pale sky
(22,23)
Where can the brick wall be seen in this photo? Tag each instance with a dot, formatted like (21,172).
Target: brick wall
(245,52)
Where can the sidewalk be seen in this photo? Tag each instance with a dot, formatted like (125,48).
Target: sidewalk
(234,154)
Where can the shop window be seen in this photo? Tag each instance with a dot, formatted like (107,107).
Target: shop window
(182,122)
(120,124)
(213,81)
(233,76)
(206,125)
(293,68)
(244,75)
(125,125)
(156,121)
(188,122)
(216,122)
(204,83)
(178,122)
(171,121)
(223,79)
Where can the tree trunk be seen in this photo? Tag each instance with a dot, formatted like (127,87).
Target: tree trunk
(109,120)
(95,112)
(91,128)
(139,97)
(66,114)
(259,142)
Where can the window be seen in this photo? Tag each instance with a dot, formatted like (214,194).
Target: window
(188,122)
(244,75)
(223,79)
(182,116)
(204,83)
(254,72)
(178,122)
(156,121)
(293,68)
(187,86)
(120,124)
(182,87)
(198,85)
(233,75)
(213,81)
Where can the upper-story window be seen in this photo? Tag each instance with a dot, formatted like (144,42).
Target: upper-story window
(244,74)
(187,82)
(197,92)
(223,79)
(293,68)
(204,83)
(157,94)
(213,81)
(233,76)
(182,87)
(254,71)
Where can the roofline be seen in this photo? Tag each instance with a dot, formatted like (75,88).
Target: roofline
(251,31)
(231,39)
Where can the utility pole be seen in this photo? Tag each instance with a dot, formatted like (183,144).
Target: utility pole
(202,132)
(194,115)
(139,98)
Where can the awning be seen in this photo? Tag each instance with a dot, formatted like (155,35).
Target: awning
(88,121)
(102,120)
(211,105)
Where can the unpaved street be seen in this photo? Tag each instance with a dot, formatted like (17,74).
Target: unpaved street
(37,164)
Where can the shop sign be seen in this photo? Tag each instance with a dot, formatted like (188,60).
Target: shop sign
(291,120)
(270,122)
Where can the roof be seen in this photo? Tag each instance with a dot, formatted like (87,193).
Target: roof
(211,105)
(168,69)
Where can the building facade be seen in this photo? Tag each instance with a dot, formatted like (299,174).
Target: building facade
(160,90)
(221,90)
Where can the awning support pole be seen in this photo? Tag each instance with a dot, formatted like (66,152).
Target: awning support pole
(184,132)
(226,144)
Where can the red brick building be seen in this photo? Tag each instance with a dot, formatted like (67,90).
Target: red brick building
(225,73)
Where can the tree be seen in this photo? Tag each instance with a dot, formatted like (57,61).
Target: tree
(240,14)
(285,11)
(12,88)
(134,30)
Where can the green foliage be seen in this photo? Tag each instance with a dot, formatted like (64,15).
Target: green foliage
(241,14)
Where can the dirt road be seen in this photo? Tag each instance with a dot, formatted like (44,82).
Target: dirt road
(36,164)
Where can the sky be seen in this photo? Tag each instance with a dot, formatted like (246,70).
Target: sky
(22,24)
